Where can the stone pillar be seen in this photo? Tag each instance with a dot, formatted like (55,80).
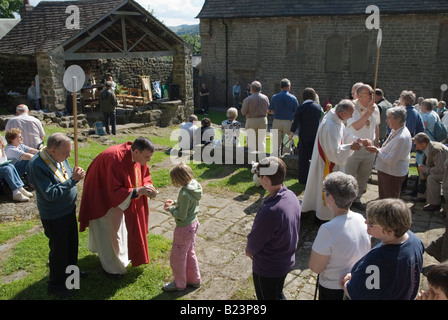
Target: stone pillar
(51,68)
(183,76)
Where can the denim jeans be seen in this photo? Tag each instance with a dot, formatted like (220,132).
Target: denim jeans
(21,166)
(12,178)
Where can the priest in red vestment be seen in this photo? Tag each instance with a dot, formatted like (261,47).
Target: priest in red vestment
(114,205)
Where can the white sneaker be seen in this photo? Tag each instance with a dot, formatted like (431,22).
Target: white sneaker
(20,197)
(25,193)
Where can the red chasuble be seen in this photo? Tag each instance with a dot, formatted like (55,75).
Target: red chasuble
(109,181)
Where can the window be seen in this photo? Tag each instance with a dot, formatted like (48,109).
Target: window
(359,46)
(295,39)
(333,54)
(442,47)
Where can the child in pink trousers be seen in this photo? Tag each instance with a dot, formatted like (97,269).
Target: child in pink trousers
(183,261)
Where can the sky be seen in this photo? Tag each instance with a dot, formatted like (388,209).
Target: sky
(170,12)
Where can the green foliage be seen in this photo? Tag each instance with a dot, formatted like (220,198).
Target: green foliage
(7,7)
(194,41)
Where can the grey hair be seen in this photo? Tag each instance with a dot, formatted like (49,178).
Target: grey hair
(342,187)
(408,97)
(256,85)
(285,83)
(398,113)
(192,118)
(232,113)
(428,104)
(56,140)
(344,105)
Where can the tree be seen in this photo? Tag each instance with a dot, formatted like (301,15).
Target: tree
(194,41)
(7,7)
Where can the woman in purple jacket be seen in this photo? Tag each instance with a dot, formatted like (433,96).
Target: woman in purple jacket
(272,242)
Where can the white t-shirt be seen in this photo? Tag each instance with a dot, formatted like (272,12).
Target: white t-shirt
(345,240)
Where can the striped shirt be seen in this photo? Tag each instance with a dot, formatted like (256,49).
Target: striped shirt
(14,153)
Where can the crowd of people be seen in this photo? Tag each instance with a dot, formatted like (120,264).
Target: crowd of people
(338,149)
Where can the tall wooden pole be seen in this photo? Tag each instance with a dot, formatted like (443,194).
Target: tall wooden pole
(75,121)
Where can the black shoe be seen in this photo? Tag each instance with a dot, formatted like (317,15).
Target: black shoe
(431,207)
(114,276)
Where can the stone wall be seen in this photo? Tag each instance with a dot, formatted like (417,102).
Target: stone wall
(16,74)
(329,54)
(127,72)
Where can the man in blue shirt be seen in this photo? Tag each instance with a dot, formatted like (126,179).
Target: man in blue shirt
(55,184)
(283,105)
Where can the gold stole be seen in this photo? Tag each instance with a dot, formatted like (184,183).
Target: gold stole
(61,174)
(361,109)
(138,176)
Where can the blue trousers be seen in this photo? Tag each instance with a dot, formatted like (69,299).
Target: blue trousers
(11,176)
(21,167)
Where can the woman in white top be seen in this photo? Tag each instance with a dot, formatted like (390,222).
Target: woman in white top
(231,128)
(342,241)
(392,159)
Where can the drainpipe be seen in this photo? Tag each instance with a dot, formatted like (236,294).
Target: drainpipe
(227,61)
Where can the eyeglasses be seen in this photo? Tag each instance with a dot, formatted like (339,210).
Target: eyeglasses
(371,224)
(370,93)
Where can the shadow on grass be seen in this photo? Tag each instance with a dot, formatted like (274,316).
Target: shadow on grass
(96,286)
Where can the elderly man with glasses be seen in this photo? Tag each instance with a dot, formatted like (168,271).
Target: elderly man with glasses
(364,124)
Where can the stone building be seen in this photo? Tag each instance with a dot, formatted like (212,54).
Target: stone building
(325,45)
(111,37)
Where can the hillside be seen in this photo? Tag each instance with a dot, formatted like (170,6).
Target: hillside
(186,29)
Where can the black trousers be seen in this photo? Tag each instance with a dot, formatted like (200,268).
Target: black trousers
(330,294)
(305,146)
(110,118)
(269,288)
(63,241)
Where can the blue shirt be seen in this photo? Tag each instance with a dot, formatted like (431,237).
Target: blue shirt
(395,268)
(275,233)
(284,105)
(54,198)
(414,121)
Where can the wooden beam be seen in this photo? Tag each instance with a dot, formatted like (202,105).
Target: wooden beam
(152,35)
(117,55)
(92,35)
(127,13)
(123,34)
(137,42)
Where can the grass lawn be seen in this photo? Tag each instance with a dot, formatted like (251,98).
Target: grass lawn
(29,256)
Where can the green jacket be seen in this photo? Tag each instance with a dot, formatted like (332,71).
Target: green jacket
(186,208)
(107,100)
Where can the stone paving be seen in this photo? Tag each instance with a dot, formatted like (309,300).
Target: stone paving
(225,220)
(225,223)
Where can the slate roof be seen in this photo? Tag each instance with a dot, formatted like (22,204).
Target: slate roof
(44,28)
(288,8)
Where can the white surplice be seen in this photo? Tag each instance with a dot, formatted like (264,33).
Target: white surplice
(334,141)
(108,237)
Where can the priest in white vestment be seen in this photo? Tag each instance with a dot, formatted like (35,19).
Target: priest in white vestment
(333,145)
